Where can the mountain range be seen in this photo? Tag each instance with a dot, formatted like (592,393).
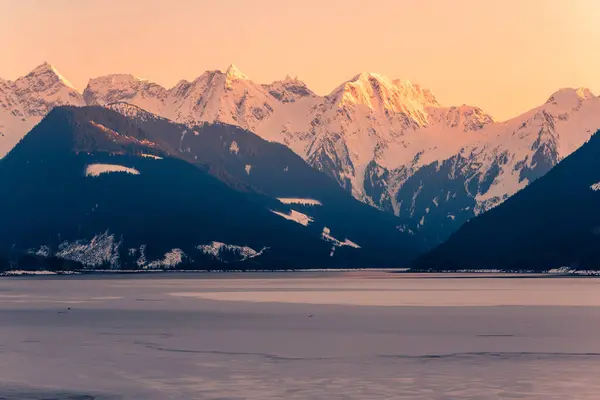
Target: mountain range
(388,143)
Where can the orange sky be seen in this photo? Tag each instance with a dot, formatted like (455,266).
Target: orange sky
(504,56)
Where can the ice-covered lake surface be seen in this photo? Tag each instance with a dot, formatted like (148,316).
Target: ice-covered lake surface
(350,335)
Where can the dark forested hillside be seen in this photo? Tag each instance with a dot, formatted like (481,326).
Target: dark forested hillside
(95,187)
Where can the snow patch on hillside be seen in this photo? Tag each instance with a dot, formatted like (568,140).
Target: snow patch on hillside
(102,249)
(234,148)
(171,259)
(326,235)
(297,200)
(230,253)
(99,169)
(152,156)
(295,216)
(42,251)
(142,260)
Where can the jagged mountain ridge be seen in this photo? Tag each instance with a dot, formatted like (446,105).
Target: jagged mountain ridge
(392,145)
(388,142)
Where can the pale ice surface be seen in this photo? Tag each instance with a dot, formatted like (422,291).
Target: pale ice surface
(305,335)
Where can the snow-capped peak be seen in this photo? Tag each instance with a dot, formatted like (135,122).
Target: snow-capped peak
(116,79)
(368,75)
(122,87)
(233,73)
(47,69)
(365,87)
(28,99)
(570,96)
(44,88)
(386,96)
(290,78)
(289,89)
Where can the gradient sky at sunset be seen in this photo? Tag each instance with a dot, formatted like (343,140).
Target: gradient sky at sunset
(504,56)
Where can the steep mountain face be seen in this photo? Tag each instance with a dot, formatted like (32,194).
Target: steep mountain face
(387,142)
(552,223)
(139,191)
(24,102)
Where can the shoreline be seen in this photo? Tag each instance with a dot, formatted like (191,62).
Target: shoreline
(556,272)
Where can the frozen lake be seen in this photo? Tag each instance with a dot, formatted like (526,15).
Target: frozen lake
(344,335)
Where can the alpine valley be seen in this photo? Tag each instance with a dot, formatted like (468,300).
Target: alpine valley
(268,171)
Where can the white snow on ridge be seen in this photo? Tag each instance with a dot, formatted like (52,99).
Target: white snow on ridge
(240,253)
(304,202)
(295,216)
(595,187)
(99,169)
